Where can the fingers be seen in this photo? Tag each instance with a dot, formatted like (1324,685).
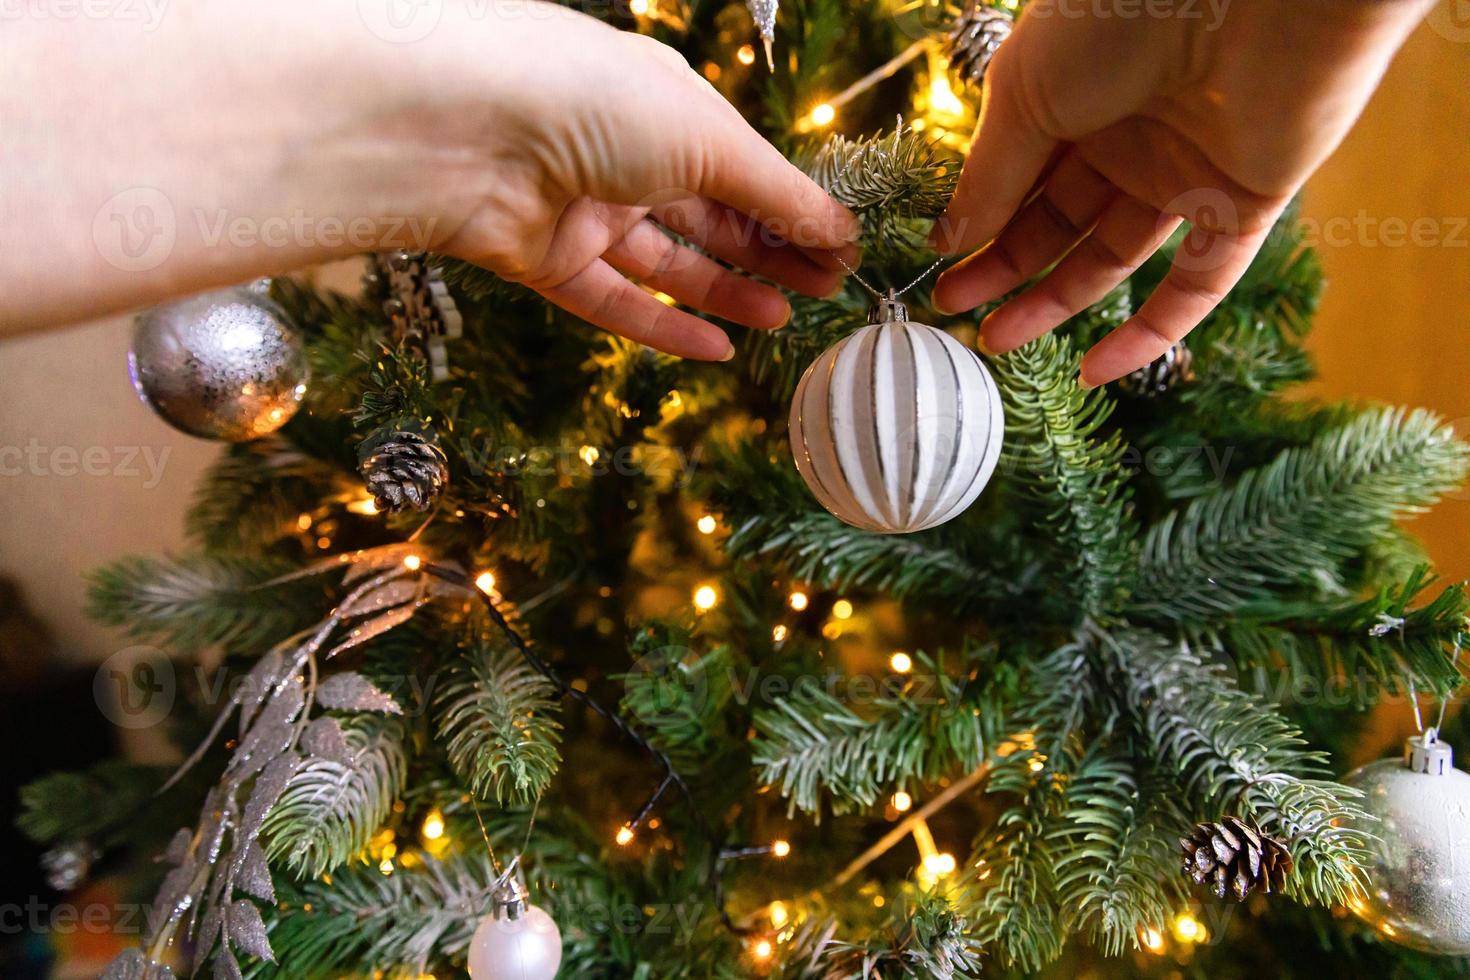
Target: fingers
(1052,223)
(1007,155)
(602,297)
(1128,232)
(648,254)
(742,241)
(1208,265)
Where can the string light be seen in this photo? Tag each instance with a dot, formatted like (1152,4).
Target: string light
(1188,929)
(412,562)
(625,836)
(746,55)
(1037,763)
(939,865)
(779,633)
(901,663)
(639,8)
(779,915)
(705,598)
(485,582)
(707,524)
(902,801)
(1152,940)
(780,848)
(303,523)
(433,827)
(797,600)
(588,454)
(367,506)
(823,115)
(841,609)
(762,949)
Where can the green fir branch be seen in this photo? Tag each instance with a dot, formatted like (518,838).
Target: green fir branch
(88,804)
(1067,473)
(1290,527)
(677,694)
(252,495)
(497,718)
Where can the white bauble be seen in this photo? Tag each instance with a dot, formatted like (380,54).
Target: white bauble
(1419,872)
(897,427)
(222,365)
(515,942)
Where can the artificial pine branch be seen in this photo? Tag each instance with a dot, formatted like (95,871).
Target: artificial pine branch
(903,174)
(812,745)
(678,695)
(1068,475)
(202,601)
(497,719)
(1232,754)
(89,803)
(1288,528)
(333,805)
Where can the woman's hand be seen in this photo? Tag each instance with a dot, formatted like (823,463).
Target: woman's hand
(235,140)
(1100,134)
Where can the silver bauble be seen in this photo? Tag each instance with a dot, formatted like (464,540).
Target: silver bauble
(1419,873)
(898,426)
(516,941)
(222,365)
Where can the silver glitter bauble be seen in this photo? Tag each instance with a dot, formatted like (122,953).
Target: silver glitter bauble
(1419,874)
(222,365)
(516,941)
(763,12)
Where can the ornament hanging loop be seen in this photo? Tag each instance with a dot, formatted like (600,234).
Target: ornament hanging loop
(1427,754)
(888,310)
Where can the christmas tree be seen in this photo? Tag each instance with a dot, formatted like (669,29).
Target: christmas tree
(518,624)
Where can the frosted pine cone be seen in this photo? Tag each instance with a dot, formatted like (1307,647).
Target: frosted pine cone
(975,38)
(405,469)
(1175,367)
(1235,859)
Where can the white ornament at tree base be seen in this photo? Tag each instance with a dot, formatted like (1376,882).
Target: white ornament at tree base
(1419,873)
(516,941)
(898,427)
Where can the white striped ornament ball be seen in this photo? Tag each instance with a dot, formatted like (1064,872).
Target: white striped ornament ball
(898,427)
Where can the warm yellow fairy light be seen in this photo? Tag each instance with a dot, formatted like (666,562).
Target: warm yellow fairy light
(589,454)
(762,950)
(942,99)
(779,915)
(901,662)
(780,848)
(902,801)
(639,7)
(797,600)
(707,524)
(779,633)
(367,505)
(712,71)
(412,563)
(823,115)
(386,866)
(841,609)
(304,522)
(1037,763)
(746,54)
(705,598)
(939,865)
(433,827)
(1152,940)
(485,582)
(625,836)
(1188,929)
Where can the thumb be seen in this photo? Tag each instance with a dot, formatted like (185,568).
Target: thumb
(1007,156)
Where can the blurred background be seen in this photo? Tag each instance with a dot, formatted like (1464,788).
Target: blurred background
(1389,215)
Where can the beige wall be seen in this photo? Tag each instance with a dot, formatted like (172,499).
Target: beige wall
(1392,328)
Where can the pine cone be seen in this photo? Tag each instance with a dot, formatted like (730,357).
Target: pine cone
(405,469)
(975,38)
(1176,366)
(1236,858)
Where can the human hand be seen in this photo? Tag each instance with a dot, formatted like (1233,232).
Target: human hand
(596,160)
(1099,135)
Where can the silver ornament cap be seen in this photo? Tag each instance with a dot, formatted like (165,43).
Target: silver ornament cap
(1418,873)
(221,365)
(516,941)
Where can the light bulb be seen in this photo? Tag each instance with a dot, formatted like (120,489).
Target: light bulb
(705,598)
(902,801)
(841,609)
(823,115)
(797,600)
(412,563)
(625,836)
(901,662)
(779,915)
(433,827)
(485,582)
(746,55)
(780,848)
(707,524)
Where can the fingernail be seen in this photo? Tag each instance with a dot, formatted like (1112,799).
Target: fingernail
(729,353)
(983,347)
(785,319)
(1084,384)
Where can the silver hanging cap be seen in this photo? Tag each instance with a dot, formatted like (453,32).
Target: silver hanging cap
(508,896)
(888,310)
(1427,754)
